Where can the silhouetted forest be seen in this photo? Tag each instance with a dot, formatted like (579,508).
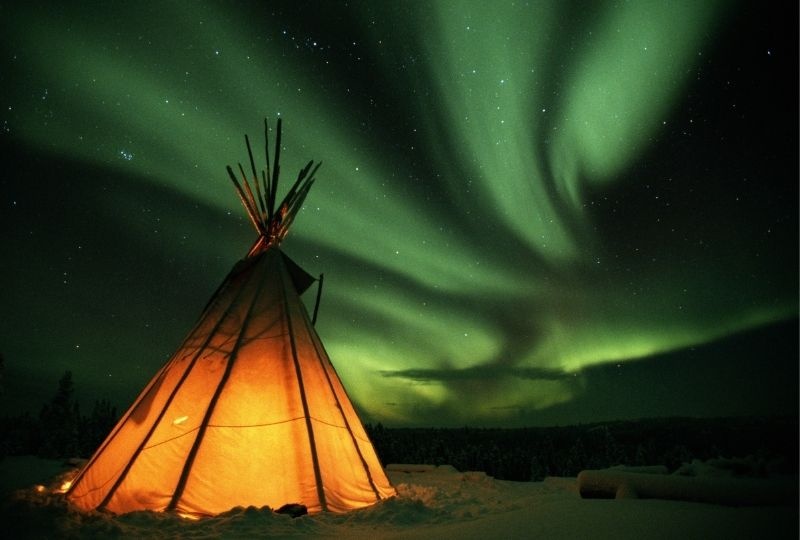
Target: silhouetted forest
(61,430)
(524,454)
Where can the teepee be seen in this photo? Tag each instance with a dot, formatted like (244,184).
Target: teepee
(249,410)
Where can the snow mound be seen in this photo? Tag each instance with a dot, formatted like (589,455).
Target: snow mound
(619,483)
(436,502)
(747,467)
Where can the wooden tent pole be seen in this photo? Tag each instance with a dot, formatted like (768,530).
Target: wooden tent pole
(316,303)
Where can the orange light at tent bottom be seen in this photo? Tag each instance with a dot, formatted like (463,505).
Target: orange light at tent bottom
(64,487)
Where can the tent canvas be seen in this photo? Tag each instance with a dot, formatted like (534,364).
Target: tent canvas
(249,411)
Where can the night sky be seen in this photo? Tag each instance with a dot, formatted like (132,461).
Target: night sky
(528,213)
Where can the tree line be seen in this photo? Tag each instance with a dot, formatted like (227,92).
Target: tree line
(60,430)
(770,445)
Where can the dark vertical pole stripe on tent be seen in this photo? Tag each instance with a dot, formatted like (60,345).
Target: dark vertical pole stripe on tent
(255,176)
(322,354)
(276,168)
(251,213)
(187,467)
(174,392)
(147,389)
(306,414)
(123,421)
(316,303)
(252,199)
(266,178)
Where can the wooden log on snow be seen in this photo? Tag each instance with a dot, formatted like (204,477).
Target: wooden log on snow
(615,484)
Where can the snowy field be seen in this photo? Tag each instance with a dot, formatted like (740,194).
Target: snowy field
(431,503)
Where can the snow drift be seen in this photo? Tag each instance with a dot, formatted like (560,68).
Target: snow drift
(431,502)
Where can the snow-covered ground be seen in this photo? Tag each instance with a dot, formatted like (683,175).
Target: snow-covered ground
(431,503)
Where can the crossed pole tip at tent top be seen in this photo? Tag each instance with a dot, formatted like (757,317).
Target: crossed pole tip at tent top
(271,223)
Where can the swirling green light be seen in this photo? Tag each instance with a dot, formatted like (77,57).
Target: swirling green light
(623,87)
(523,106)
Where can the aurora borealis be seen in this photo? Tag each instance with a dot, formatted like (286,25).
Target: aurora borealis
(515,197)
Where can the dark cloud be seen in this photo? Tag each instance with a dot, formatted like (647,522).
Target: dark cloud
(485,372)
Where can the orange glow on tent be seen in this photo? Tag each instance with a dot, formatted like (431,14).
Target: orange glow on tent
(249,411)
(65,487)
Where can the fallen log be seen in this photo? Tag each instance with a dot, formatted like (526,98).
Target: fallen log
(616,484)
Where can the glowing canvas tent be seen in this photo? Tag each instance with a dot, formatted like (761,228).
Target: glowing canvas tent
(249,410)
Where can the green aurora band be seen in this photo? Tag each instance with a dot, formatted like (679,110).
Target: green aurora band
(520,133)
